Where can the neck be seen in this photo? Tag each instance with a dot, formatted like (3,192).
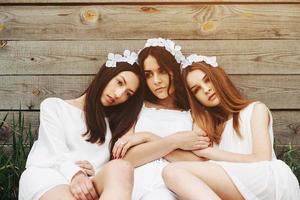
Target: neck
(79,102)
(167,102)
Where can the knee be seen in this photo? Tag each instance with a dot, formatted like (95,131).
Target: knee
(121,168)
(170,173)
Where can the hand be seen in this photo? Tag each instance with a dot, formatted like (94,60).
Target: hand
(86,166)
(128,141)
(82,187)
(191,140)
(204,152)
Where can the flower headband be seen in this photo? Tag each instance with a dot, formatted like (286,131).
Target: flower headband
(129,57)
(212,61)
(169,45)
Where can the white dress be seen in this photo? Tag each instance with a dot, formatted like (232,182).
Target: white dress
(60,143)
(148,182)
(265,180)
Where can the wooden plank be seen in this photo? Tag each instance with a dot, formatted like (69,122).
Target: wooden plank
(277,91)
(151,1)
(85,57)
(286,125)
(266,21)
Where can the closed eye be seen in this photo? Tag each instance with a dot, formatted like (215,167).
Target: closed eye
(148,74)
(195,89)
(119,82)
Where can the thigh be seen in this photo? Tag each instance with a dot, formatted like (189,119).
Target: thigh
(214,176)
(59,192)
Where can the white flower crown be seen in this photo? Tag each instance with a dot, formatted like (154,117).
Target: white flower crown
(212,61)
(169,45)
(129,57)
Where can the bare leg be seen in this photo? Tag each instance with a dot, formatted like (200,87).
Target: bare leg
(60,192)
(200,180)
(115,181)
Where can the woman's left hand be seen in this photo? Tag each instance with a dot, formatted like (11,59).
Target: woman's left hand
(204,152)
(86,166)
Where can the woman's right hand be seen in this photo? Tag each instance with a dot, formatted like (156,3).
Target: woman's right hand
(191,140)
(128,141)
(82,187)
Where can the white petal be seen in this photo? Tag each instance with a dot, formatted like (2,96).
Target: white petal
(110,56)
(126,53)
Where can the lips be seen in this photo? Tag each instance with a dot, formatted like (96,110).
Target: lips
(109,99)
(160,89)
(211,97)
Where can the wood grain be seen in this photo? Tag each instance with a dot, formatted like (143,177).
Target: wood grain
(85,57)
(277,91)
(266,21)
(150,1)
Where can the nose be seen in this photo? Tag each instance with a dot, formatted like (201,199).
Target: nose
(156,79)
(207,89)
(119,92)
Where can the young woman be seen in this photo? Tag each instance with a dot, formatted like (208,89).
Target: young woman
(82,129)
(164,124)
(243,164)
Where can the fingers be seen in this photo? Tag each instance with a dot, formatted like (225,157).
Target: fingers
(92,190)
(83,189)
(203,138)
(201,133)
(201,145)
(120,148)
(86,192)
(86,166)
(125,149)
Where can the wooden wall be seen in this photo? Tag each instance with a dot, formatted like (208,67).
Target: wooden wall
(53,48)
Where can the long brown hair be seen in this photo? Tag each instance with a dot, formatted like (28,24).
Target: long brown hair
(212,120)
(167,62)
(120,117)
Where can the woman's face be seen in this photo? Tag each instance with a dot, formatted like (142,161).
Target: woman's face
(202,88)
(157,78)
(120,88)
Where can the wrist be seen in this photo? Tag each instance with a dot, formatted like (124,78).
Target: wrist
(150,137)
(173,141)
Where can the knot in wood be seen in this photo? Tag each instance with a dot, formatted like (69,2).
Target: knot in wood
(3,43)
(89,16)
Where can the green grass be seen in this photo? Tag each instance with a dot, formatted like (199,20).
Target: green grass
(291,156)
(17,142)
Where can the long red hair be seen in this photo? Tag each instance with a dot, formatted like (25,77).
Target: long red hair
(212,120)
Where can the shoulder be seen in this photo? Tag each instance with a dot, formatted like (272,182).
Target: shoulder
(260,107)
(260,112)
(50,103)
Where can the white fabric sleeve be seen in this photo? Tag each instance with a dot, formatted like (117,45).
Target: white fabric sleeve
(51,150)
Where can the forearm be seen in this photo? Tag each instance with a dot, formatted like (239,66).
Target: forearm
(154,149)
(220,155)
(181,155)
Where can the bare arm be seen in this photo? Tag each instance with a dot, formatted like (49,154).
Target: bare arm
(157,147)
(147,152)
(261,147)
(182,155)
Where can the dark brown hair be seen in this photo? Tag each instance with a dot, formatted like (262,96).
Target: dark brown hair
(212,120)
(120,117)
(167,62)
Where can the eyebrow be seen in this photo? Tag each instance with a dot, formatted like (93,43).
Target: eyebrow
(204,77)
(126,84)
